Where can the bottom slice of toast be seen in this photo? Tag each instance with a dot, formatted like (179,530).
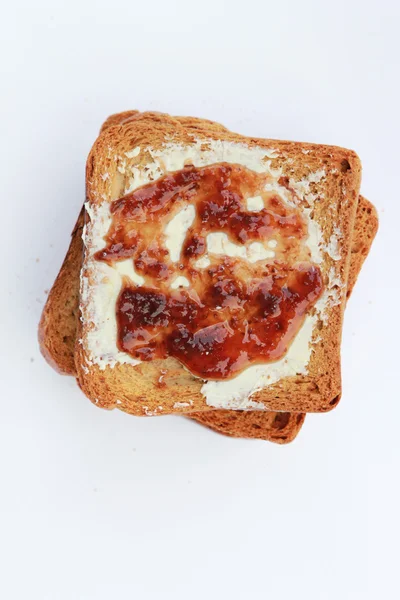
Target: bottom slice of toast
(57,330)
(57,333)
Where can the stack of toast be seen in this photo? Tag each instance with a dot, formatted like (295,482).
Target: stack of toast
(207,275)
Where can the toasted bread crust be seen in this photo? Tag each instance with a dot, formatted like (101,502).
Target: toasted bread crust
(57,327)
(365,229)
(278,427)
(135,387)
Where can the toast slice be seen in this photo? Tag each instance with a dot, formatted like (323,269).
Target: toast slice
(320,182)
(58,325)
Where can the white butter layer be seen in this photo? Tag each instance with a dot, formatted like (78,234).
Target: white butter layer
(255,204)
(180,282)
(202,263)
(125,267)
(99,297)
(218,243)
(176,229)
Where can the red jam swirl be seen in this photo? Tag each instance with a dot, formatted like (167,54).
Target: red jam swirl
(234,313)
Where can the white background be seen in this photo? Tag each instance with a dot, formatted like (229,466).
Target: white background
(99,505)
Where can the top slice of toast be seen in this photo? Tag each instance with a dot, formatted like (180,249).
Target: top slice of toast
(325,182)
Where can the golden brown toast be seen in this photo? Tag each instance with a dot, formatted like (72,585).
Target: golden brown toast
(322,181)
(283,428)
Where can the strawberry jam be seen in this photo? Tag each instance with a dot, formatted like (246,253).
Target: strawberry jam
(232,312)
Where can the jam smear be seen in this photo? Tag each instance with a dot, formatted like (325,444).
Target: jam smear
(232,313)
(217,192)
(232,327)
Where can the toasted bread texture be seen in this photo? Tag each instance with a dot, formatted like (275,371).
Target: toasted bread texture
(334,200)
(278,427)
(365,229)
(57,327)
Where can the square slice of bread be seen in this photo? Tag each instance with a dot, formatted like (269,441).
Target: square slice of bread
(322,181)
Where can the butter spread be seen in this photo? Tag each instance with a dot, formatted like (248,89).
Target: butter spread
(219,243)
(176,230)
(180,282)
(255,204)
